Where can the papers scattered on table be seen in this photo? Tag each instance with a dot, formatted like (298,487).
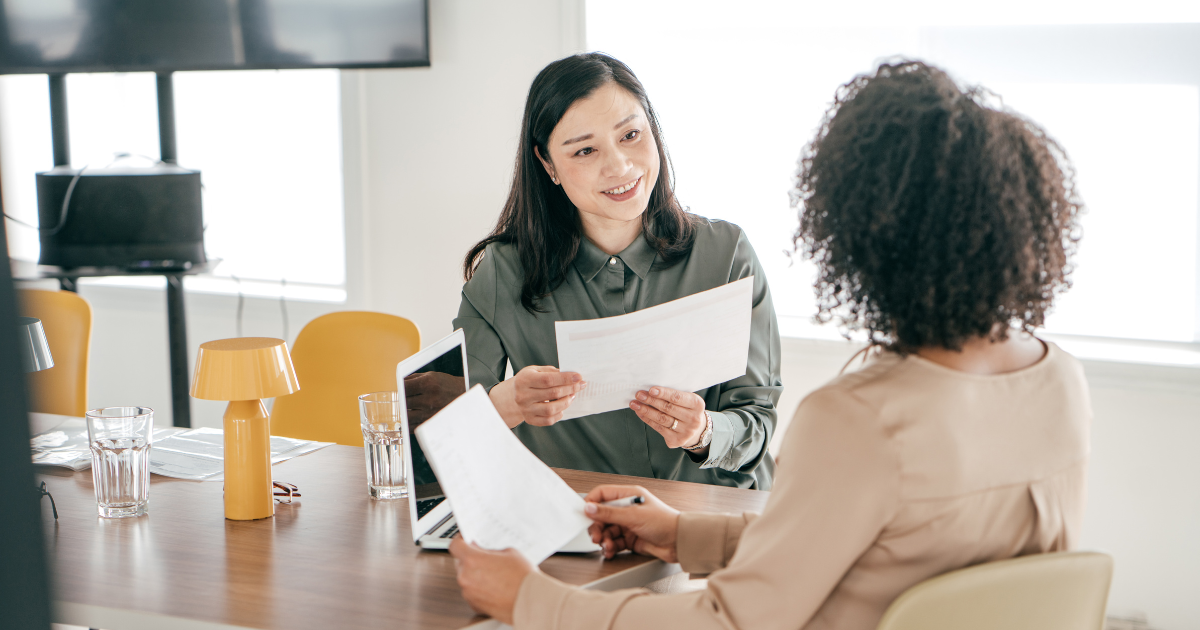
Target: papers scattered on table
(196,454)
(502,495)
(687,344)
(65,443)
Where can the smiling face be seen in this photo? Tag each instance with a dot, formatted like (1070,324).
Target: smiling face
(604,156)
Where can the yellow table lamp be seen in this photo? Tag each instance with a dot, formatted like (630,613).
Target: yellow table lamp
(244,371)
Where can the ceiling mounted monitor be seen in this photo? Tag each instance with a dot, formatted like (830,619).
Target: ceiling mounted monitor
(59,36)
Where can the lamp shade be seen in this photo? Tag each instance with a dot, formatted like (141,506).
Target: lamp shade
(32,344)
(245,368)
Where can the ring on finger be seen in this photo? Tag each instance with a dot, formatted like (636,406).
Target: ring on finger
(674,425)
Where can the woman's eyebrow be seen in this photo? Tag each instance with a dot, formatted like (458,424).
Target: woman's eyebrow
(588,136)
(627,119)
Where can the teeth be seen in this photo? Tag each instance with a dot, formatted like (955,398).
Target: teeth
(623,189)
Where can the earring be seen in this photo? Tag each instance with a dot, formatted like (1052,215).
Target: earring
(555,180)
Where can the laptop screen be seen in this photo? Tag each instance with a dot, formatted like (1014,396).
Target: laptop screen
(426,390)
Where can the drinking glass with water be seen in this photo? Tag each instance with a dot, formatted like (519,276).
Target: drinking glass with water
(119,438)
(383,442)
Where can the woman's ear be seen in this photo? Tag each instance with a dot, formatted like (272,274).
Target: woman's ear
(546,164)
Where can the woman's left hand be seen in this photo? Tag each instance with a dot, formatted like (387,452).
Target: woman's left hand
(489,579)
(678,416)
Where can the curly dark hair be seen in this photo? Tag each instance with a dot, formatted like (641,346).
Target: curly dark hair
(932,216)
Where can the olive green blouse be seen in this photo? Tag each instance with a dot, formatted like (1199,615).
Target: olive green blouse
(498,330)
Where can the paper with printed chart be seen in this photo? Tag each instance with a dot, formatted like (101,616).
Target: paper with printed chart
(687,344)
(502,495)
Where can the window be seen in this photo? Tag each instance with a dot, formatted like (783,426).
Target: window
(267,143)
(741,87)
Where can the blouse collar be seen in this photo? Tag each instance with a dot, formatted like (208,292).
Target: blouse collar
(639,257)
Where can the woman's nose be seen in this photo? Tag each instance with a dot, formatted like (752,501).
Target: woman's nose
(617,163)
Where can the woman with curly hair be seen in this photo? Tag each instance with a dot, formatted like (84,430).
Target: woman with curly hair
(943,228)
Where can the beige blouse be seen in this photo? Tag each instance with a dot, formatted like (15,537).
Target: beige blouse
(889,475)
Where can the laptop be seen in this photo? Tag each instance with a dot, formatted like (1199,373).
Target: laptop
(430,380)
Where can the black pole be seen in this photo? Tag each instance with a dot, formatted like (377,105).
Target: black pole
(166,117)
(59,130)
(181,401)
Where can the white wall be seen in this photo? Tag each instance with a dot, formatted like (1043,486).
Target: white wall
(438,147)
(428,156)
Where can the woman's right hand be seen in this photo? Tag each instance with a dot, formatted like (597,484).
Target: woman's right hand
(649,529)
(536,395)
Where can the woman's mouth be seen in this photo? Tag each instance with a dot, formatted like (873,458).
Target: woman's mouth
(621,193)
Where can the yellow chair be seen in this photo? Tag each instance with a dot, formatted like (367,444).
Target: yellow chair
(67,319)
(337,358)
(1050,591)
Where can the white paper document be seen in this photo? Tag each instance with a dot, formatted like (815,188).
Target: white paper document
(196,454)
(199,454)
(687,344)
(502,495)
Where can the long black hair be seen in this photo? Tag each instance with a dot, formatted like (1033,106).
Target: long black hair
(538,218)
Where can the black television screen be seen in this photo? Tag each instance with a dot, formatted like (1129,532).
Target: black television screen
(53,36)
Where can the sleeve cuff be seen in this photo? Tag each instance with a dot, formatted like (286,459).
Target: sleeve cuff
(544,603)
(705,542)
(721,447)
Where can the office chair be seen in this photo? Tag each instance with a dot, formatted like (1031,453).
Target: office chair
(1049,591)
(67,319)
(337,358)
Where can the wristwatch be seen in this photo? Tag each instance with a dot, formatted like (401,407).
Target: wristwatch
(706,437)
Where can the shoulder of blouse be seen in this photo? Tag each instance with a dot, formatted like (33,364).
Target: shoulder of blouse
(495,269)
(718,232)
(721,239)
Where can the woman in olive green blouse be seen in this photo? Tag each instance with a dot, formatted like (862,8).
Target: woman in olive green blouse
(592,229)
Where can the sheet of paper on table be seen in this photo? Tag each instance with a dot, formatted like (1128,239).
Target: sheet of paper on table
(687,344)
(63,441)
(502,495)
(199,454)
(196,454)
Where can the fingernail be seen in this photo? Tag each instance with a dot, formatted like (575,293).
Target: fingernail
(641,396)
(633,404)
(589,508)
(576,378)
(654,392)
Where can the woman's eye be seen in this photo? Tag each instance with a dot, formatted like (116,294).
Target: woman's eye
(633,133)
(585,151)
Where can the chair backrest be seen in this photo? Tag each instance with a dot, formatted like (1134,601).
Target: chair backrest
(67,320)
(339,357)
(1050,591)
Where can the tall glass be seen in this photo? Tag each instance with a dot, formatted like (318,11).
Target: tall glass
(119,438)
(383,442)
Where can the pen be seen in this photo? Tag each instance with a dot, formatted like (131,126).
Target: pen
(626,502)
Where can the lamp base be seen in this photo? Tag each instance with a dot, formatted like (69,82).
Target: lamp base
(248,493)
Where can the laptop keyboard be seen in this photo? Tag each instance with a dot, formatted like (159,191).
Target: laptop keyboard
(449,533)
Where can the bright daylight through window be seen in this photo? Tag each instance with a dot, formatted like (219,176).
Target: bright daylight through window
(267,143)
(741,87)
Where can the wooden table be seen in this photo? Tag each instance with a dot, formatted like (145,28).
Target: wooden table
(334,559)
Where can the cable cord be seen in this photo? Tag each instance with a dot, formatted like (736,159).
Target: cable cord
(62,215)
(283,307)
(66,204)
(241,302)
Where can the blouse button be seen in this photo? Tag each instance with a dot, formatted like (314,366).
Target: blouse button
(612,261)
